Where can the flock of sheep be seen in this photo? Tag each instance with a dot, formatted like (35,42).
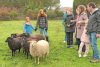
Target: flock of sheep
(33,44)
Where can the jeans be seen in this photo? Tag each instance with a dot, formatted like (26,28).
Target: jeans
(93,42)
(76,41)
(65,35)
(41,31)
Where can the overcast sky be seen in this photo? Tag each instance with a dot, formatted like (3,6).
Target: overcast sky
(65,3)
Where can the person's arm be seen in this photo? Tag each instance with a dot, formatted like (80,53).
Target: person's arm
(46,23)
(37,23)
(24,28)
(63,19)
(98,24)
(84,19)
(72,24)
(32,27)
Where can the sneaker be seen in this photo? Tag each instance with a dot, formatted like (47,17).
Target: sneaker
(91,58)
(69,46)
(84,55)
(94,60)
(64,41)
(80,55)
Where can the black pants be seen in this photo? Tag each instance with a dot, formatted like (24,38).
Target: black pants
(69,38)
(79,42)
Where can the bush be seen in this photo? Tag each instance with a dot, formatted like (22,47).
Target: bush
(4,16)
(51,14)
(59,13)
(13,14)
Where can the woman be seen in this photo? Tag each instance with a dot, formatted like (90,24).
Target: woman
(80,23)
(42,22)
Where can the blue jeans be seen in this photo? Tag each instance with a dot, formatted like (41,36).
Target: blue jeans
(65,35)
(41,31)
(76,41)
(93,42)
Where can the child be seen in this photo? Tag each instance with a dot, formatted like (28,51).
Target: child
(84,41)
(28,26)
(69,28)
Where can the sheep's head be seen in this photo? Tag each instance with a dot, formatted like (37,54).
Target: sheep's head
(23,41)
(9,39)
(25,34)
(13,35)
(32,43)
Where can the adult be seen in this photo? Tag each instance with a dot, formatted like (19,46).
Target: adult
(93,30)
(43,23)
(80,23)
(65,14)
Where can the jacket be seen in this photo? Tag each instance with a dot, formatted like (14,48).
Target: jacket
(28,28)
(65,14)
(42,22)
(84,37)
(80,27)
(94,22)
(67,21)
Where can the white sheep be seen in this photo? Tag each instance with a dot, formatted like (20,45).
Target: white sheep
(39,49)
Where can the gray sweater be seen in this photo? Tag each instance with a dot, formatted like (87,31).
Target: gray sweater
(42,22)
(94,22)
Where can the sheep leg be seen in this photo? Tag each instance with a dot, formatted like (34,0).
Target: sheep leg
(38,60)
(27,55)
(12,52)
(45,56)
(31,56)
(35,59)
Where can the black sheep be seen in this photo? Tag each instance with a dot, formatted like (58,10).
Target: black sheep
(14,43)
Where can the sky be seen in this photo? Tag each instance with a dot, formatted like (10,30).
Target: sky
(65,3)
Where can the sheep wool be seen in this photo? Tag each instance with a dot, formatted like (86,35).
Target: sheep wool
(39,49)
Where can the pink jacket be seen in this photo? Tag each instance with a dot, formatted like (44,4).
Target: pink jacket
(84,37)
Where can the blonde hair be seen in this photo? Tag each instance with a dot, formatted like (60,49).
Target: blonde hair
(27,19)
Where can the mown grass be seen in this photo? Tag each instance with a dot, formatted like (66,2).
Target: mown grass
(59,55)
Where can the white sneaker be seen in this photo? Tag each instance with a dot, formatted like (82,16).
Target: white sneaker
(64,41)
(80,55)
(84,55)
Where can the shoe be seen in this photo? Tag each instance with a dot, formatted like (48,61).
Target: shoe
(84,55)
(94,60)
(91,58)
(80,55)
(64,41)
(69,46)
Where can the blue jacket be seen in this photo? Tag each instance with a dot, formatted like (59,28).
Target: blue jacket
(28,28)
(65,14)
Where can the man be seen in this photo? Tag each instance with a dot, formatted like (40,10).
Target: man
(93,30)
(65,14)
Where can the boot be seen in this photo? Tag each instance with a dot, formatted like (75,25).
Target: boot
(47,40)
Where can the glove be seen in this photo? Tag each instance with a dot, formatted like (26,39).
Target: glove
(46,29)
(35,29)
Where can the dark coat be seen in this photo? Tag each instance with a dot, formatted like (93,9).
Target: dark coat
(67,21)
(42,22)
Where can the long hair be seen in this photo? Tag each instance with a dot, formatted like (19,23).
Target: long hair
(27,19)
(39,14)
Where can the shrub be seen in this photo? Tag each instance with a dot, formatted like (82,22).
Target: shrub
(51,14)
(59,13)
(13,14)
(4,16)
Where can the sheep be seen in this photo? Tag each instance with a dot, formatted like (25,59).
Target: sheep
(14,43)
(14,35)
(39,49)
(31,36)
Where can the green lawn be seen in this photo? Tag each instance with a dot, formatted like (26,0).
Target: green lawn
(59,55)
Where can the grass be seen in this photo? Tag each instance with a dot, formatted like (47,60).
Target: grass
(59,55)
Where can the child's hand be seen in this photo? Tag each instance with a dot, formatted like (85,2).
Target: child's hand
(86,32)
(97,35)
(68,25)
(23,31)
(35,29)
(71,21)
